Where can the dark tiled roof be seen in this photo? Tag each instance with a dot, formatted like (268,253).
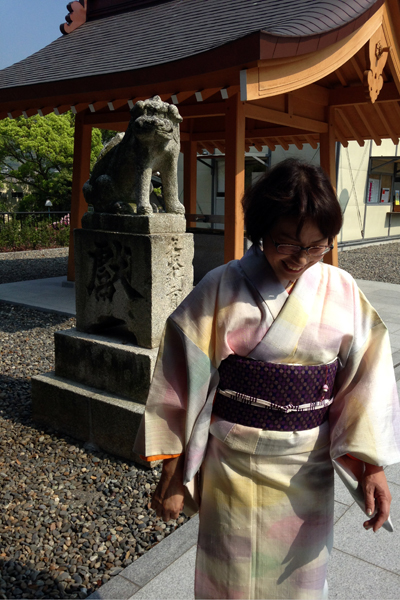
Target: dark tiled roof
(155,35)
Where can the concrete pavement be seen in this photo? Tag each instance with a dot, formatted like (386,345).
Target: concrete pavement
(363,564)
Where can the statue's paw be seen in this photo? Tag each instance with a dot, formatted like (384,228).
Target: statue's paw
(145,209)
(176,208)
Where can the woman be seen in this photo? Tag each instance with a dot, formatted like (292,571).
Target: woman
(274,370)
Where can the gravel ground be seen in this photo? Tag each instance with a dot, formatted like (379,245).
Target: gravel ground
(71,517)
(33,264)
(380,262)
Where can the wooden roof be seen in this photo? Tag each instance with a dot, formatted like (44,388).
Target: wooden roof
(171,31)
(295,86)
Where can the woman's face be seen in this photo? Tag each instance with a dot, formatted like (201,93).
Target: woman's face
(291,267)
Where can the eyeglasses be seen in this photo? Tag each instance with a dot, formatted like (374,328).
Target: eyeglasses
(291,249)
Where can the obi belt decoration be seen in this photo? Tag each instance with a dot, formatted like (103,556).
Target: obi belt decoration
(274,396)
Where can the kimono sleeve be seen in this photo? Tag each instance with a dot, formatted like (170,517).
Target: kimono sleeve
(183,382)
(365,415)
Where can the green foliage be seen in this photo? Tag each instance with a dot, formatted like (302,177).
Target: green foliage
(30,235)
(38,153)
(107,135)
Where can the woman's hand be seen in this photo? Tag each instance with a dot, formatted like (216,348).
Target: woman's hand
(377,496)
(168,497)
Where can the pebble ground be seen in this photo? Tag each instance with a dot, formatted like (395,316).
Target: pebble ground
(71,516)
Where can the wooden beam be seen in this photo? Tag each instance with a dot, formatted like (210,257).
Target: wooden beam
(60,110)
(81,172)
(327,147)
(298,144)
(77,108)
(385,122)
(350,128)
(190,179)
(341,78)
(261,113)
(221,147)
(282,143)
(356,95)
(206,136)
(269,143)
(200,110)
(395,107)
(340,135)
(256,145)
(357,68)
(368,125)
(234,177)
(207,93)
(181,96)
(107,118)
(313,142)
(207,146)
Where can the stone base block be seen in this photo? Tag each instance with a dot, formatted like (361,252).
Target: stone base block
(86,414)
(131,278)
(157,223)
(109,363)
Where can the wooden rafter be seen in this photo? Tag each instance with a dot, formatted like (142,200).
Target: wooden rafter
(369,127)
(350,127)
(211,109)
(205,94)
(357,68)
(269,143)
(341,135)
(179,97)
(269,115)
(282,143)
(386,124)
(341,78)
(77,108)
(312,141)
(219,146)
(63,108)
(298,144)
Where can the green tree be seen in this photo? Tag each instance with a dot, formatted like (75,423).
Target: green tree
(38,153)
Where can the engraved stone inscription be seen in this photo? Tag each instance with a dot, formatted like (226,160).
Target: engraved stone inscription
(112,263)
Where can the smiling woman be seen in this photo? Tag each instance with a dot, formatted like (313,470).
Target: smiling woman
(264,392)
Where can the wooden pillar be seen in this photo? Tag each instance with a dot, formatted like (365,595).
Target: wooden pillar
(81,172)
(327,147)
(190,179)
(234,177)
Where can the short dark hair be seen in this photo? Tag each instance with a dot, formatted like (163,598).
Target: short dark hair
(293,188)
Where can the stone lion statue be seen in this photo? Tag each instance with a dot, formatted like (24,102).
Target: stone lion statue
(121,177)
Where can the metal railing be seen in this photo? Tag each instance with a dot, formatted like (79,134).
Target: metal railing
(33,218)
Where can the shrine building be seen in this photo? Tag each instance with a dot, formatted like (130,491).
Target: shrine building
(255,81)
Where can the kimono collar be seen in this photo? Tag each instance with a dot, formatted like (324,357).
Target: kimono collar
(262,276)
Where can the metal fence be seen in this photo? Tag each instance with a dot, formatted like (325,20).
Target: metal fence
(32,218)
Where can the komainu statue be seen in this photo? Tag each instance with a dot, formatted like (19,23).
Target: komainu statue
(121,177)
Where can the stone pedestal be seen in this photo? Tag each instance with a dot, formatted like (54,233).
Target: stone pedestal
(133,278)
(127,284)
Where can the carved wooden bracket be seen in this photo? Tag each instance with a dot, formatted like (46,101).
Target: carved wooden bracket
(76,16)
(377,55)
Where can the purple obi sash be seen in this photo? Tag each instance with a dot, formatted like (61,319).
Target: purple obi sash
(274,396)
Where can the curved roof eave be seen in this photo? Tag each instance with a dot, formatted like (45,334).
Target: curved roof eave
(132,41)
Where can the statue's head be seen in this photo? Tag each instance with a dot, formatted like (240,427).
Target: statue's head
(155,118)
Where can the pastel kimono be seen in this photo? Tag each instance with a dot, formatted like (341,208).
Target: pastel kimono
(266,510)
